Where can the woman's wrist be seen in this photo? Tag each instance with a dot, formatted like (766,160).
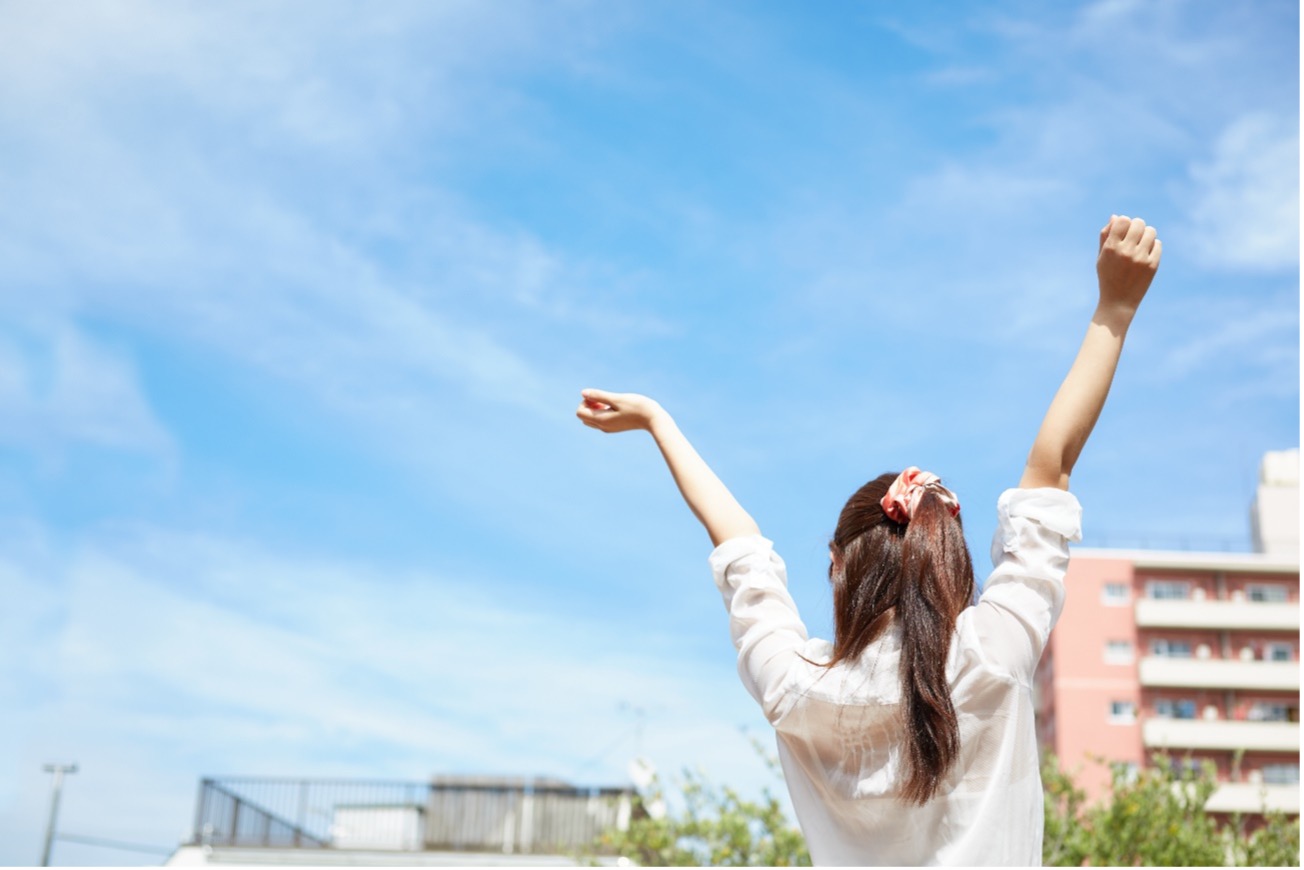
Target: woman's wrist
(1115,315)
(659,421)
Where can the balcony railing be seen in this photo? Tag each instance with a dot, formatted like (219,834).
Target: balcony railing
(1245,797)
(1224,615)
(473,815)
(1219,674)
(1160,733)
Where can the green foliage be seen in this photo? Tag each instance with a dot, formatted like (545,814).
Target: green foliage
(715,827)
(1156,817)
(1063,837)
(1152,817)
(1276,844)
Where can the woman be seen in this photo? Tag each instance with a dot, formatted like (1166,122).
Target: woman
(910,738)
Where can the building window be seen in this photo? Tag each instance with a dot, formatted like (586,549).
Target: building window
(1122,712)
(1277,652)
(1186,764)
(1172,649)
(1281,774)
(1166,708)
(1118,652)
(1168,589)
(1115,595)
(1268,593)
(1262,711)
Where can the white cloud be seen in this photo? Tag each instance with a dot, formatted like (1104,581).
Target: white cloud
(217,233)
(338,271)
(1244,211)
(207,626)
(196,655)
(1201,339)
(61,387)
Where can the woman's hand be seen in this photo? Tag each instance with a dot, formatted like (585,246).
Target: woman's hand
(617,412)
(1126,264)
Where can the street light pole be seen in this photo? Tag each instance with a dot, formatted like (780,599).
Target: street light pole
(58,770)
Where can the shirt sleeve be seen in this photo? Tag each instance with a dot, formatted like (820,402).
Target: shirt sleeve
(1024,594)
(763,620)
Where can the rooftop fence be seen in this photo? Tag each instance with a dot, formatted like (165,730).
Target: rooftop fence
(1211,542)
(445,814)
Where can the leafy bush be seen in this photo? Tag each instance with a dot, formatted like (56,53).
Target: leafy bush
(1155,817)
(716,827)
(1152,817)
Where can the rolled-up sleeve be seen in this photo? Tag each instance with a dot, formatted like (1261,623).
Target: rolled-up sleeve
(1024,595)
(763,619)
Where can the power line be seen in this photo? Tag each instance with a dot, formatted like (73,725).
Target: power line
(114,844)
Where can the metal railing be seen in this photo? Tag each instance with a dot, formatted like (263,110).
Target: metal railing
(1190,542)
(474,814)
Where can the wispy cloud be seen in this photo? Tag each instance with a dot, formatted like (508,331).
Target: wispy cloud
(63,387)
(1253,337)
(390,243)
(1244,197)
(232,659)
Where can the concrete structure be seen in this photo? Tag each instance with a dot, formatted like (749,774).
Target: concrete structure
(1274,518)
(447,821)
(1193,654)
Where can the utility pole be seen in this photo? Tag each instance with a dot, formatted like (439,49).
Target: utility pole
(58,770)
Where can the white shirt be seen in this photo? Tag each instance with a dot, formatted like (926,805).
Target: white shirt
(839,732)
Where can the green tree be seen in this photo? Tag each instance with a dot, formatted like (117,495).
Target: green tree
(1151,817)
(710,825)
(1276,844)
(1156,817)
(715,826)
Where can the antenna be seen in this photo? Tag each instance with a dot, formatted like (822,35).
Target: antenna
(58,770)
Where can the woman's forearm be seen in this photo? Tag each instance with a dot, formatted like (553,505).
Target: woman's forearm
(1077,405)
(707,496)
(712,504)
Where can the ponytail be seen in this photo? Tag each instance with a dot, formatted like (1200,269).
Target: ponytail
(934,556)
(917,573)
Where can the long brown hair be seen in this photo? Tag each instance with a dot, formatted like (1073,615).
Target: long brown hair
(920,575)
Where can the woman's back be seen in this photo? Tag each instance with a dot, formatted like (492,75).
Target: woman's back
(841,731)
(843,765)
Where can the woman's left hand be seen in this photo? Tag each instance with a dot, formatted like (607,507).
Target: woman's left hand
(617,412)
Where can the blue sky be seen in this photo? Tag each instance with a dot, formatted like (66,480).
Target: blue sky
(296,300)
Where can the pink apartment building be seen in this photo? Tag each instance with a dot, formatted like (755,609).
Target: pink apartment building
(1195,654)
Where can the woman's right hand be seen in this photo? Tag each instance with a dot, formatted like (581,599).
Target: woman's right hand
(1126,264)
(617,412)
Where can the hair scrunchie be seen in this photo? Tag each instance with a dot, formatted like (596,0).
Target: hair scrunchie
(903,496)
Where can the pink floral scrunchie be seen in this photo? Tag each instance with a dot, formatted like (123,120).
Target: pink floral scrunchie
(903,496)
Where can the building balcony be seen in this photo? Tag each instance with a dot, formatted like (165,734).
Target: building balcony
(1221,615)
(1219,674)
(1246,797)
(1220,734)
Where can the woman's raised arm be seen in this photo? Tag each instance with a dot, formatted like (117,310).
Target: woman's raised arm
(711,502)
(1129,255)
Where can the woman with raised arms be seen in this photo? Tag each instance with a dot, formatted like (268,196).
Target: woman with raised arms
(909,739)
